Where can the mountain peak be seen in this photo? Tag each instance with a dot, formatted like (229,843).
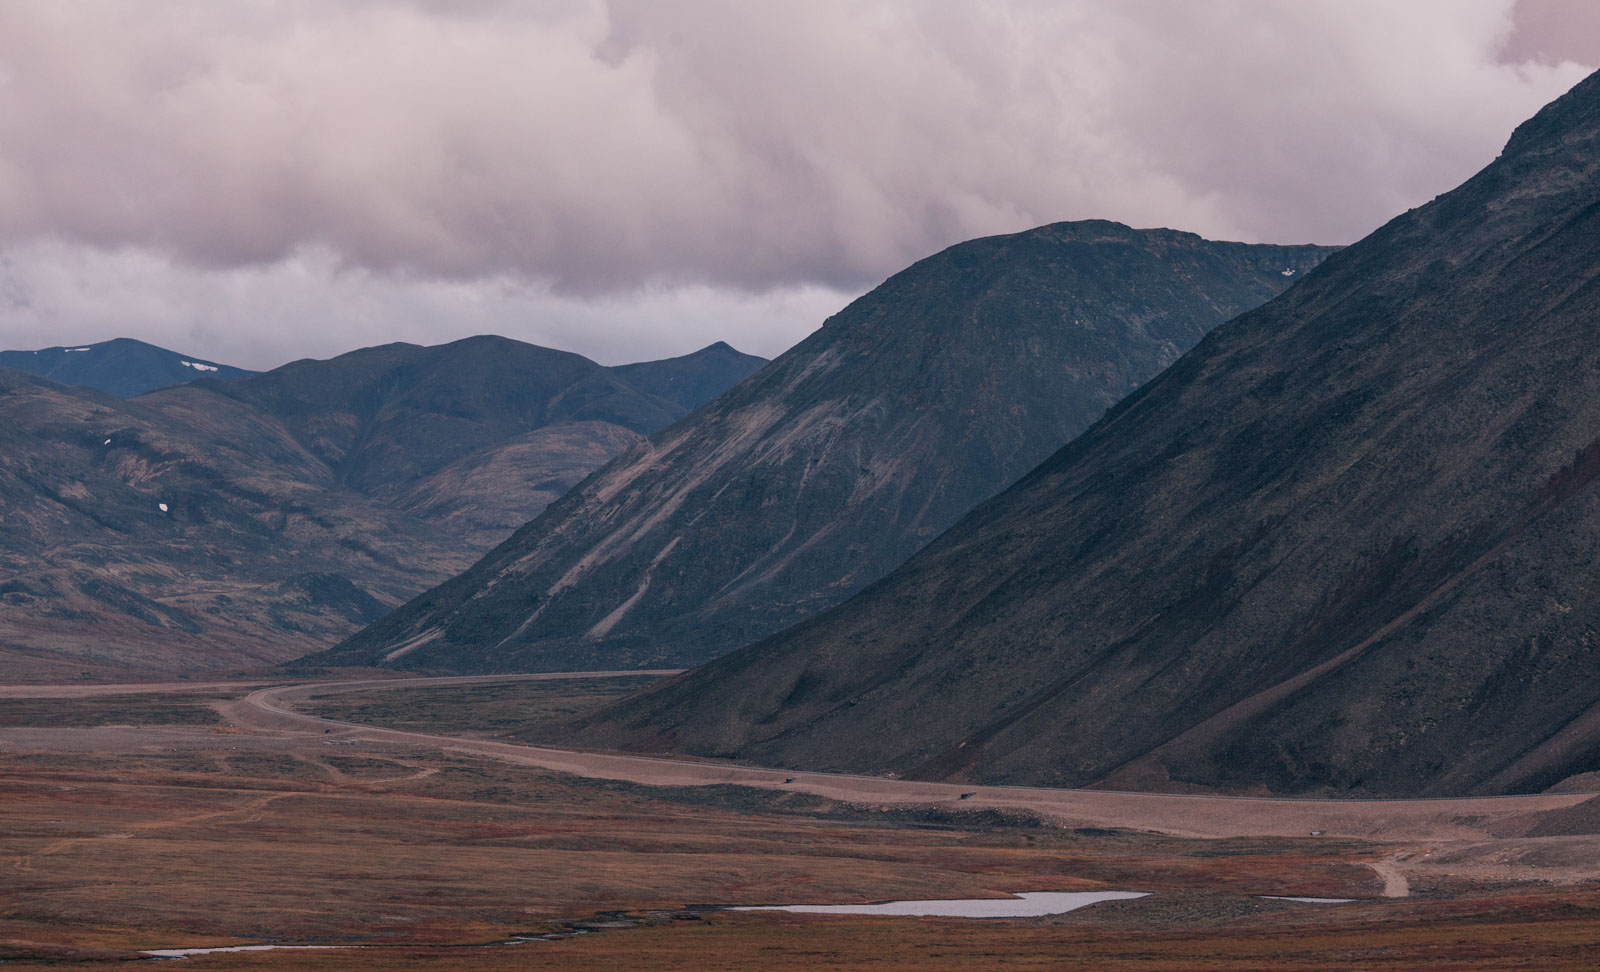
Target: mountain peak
(693,379)
(1574,115)
(121,366)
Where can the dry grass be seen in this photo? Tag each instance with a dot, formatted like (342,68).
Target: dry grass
(127,710)
(216,837)
(144,851)
(1557,932)
(522,711)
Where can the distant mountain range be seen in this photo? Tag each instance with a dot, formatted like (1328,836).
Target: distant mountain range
(840,459)
(122,367)
(693,380)
(481,434)
(219,524)
(1346,545)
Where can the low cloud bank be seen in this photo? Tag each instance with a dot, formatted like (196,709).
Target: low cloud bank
(575,159)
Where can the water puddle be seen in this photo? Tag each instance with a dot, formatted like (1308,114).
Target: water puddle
(178,953)
(1028,904)
(602,922)
(1285,897)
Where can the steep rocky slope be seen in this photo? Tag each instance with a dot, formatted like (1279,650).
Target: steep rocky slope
(841,458)
(226,524)
(1347,544)
(122,366)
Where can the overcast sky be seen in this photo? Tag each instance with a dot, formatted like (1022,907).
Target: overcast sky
(261,180)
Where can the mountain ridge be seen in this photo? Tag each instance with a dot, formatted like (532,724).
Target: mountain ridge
(1338,548)
(241,523)
(691,380)
(842,456)
(123,367)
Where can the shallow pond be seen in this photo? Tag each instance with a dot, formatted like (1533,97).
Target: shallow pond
(1028,904)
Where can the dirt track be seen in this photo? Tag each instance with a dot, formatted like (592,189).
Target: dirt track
(1400,821)
(1482,842)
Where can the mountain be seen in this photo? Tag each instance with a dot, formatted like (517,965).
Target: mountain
(1346,545)
(228,524)
(383,418)
(122,367)
(833,464)
(693,379)
(478,435)
(132,538)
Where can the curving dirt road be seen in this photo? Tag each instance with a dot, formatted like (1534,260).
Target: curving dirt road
(1469,819)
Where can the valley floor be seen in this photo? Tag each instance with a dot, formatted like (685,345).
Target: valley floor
(162,816)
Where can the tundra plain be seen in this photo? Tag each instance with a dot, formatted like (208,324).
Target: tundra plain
(177,815)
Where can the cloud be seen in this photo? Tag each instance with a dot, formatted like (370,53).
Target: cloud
(349,162)
(605,146)
(309,305)
(1554,31)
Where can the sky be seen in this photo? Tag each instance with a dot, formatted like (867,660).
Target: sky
(264,180)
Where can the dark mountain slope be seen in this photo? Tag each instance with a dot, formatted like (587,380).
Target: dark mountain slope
(131,537)
(122,366)
(266,550)
(692,379)
(1347,544)
(384,418)
(833,464)
(486,495)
